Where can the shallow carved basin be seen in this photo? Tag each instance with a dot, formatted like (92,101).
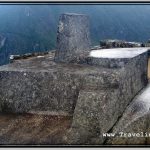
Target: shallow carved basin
(117,52)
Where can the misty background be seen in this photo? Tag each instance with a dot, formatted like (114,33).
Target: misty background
(33,28)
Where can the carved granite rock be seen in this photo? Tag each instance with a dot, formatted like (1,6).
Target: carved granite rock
(73,38)
(93,88)
(97,111)
(95,95)
(134,126)
(38,83)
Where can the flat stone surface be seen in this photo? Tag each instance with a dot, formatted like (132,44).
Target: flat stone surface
(115,58)
(46,64)
(118,52)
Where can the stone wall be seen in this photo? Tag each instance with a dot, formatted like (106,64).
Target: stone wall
(24,91)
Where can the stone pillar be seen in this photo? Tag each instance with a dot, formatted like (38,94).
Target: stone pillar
(73,40)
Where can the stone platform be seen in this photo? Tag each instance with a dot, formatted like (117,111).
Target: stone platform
(94,94)
(114,58)
(38,83)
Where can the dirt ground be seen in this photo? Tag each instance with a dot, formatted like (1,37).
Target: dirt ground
(32,129)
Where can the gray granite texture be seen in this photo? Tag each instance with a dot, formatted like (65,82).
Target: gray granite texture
(73,37)
(38,83)
(95,88)
(96,96)
(113,58)
(133,128)
(97,111)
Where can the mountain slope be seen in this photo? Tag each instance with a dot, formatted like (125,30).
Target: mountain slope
(30,28)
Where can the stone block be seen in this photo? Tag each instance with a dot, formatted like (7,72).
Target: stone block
(39,84)
(73,38)
(24,91)
(114,58)
(108,105)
